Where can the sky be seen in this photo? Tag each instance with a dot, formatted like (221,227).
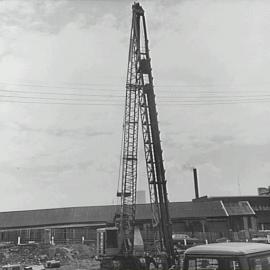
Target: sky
(62,85)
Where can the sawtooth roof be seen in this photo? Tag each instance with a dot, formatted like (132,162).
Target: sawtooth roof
(239,208)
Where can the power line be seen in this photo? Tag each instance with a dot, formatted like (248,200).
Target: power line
(72,88)
(213,100)
(201,84)
(59,93)
(171,100)
(210,97)
(85,86)
(177,99)
(121,96)
(59,103)
(100,99)
(121,104)
(46,98)
(214,103)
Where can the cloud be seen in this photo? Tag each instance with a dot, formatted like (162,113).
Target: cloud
(79,133)
(222,139)
(30,15)
(69,155)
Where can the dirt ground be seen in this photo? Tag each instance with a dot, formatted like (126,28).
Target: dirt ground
(81,265)
(71,257)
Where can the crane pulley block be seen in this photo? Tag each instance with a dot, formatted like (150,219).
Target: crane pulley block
(147,88)
(145,66)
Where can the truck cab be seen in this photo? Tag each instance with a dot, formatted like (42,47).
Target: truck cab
(228,256)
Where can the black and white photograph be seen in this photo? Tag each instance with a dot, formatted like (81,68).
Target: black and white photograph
(135,135)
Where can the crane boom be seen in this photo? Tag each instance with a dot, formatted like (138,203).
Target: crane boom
(130,145)
(140,99)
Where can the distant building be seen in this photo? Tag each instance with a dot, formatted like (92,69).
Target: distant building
(263,191)
(210,219)
(141,197)
(259,204)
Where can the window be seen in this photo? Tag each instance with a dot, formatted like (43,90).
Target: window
(203,263)
(260,263)
(213,264)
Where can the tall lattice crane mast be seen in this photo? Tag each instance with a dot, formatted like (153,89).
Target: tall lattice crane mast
(140,98)
(130,144)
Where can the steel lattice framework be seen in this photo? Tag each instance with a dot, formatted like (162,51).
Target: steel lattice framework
(140,100)
(130,148)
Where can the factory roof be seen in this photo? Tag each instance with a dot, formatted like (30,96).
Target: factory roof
(105,214)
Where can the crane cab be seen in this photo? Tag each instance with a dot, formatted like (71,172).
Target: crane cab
(107,242)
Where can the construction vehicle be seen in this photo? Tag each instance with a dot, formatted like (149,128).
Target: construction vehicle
(115,245)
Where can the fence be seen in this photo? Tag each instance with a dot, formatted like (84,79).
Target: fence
(88,236)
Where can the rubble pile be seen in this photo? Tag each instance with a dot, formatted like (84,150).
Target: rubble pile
(39,253)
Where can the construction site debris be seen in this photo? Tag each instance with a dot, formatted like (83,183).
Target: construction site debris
(34,267)
(53,264)
(34,256)
(12,267)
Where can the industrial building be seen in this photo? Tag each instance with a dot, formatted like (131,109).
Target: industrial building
(260,205)
(209,219)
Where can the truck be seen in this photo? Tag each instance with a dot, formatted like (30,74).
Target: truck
(228,256)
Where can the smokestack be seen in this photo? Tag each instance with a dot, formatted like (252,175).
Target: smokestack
(196,187)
